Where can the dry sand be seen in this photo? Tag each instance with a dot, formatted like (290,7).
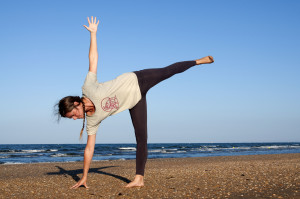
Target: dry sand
(252,176)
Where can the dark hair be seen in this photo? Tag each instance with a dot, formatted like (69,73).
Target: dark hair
(66,105)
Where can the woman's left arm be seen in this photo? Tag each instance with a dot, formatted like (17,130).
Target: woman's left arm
(93,54)
(88,155)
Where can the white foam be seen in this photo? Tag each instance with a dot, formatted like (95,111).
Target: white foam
(244,148)
(234,148)
(180,151)
(59,155)
(128,148)
(167,152)
(202,149)
(272,147)
(209,146)
(53,150)
(4,156)
(13,163)
(32,151)
(155,151)
(295,146)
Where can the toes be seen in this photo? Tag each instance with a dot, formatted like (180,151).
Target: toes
(133,185)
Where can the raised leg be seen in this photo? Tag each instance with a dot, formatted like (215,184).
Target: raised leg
(150,77)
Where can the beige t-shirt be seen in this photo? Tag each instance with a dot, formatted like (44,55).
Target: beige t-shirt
(110,97)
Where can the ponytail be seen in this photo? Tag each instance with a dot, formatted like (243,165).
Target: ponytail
(83,106)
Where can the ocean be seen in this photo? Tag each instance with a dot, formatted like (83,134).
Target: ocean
(37,153)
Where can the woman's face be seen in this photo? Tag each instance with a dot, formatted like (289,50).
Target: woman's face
(76,113)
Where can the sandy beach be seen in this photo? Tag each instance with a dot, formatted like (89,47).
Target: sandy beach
(251,176)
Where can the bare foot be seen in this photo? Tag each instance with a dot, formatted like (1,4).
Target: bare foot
(137,182)
(205,60)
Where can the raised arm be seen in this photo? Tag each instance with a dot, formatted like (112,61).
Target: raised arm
(93,55)
(88,155)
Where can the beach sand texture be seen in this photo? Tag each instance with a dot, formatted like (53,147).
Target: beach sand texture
(251,176)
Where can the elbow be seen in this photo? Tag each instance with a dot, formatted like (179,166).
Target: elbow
(88,149)
(93,56)
(93,60)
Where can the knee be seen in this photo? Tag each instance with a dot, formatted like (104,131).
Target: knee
(141,141)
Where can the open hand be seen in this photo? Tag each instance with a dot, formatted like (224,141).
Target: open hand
(92,25)
(82,181)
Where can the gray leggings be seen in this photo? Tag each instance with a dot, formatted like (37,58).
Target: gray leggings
(147,79)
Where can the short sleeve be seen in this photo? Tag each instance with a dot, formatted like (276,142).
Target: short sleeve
(92,130)
(91,79)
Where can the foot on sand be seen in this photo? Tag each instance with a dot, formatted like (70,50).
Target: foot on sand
(137,182)
(205,60)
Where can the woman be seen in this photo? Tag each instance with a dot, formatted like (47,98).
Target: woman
(127,91)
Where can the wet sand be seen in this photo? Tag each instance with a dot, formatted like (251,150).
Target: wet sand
(252,176)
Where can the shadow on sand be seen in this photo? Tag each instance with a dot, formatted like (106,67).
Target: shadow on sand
(74,173)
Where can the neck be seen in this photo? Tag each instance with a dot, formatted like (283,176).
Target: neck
(89,106)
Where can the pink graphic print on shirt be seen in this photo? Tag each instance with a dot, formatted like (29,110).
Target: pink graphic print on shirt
(110,103)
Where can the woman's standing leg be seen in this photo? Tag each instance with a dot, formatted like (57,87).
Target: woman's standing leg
(139,120)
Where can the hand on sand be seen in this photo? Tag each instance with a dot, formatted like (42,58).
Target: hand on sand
(82,181)
(137,182)
(205,60)
(93,26)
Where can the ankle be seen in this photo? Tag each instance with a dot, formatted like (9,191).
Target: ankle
(198,62)
(139,177)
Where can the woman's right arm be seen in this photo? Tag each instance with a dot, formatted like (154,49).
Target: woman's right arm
(88,155)
(93,54)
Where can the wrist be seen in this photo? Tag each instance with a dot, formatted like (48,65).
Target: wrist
(84,176)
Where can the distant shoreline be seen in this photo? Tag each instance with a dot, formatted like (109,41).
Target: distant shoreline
(21,154)
(163,143)
(81,161)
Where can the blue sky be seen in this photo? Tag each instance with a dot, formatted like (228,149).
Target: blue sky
(250,94)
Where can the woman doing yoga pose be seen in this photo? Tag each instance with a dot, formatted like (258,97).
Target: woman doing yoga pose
(127,91)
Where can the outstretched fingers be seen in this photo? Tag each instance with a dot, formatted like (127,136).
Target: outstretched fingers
(79,184)
(93,24)
(74,187)
(93,20)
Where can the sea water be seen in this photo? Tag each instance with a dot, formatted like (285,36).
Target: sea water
(37,153)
